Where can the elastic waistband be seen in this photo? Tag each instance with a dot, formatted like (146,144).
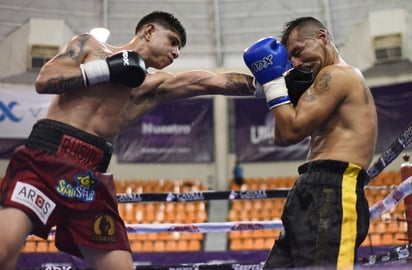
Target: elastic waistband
(63,140)
(334,167)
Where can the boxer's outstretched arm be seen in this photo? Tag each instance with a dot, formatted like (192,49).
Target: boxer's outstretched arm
(167,87)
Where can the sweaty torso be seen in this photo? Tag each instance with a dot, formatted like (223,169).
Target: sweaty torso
(103,110)
(350,133)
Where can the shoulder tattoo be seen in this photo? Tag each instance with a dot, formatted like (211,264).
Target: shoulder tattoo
(76,51)
(320,86)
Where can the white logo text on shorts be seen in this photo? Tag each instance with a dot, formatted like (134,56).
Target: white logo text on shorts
(34,199)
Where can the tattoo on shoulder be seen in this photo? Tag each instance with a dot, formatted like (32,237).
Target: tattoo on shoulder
(76,52)
(240,83)
(321,85)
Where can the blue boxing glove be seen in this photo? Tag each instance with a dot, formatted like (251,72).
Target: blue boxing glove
(268,60)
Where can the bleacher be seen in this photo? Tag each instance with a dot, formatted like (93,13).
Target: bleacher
(388,230)
(254,210)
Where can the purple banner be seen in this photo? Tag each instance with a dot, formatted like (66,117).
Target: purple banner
(394,106)
(254,125)
(172,133)
(254,134)
(183,131)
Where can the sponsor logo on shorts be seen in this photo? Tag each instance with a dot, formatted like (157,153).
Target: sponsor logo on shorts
(80,151)
(34,199)
(82,190)
(104,229)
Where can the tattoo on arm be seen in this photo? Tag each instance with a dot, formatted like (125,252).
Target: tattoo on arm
(62,85)
(240,83)
(321,85)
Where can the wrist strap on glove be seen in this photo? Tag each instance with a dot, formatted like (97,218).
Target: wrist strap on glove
(95,72)
(276,93)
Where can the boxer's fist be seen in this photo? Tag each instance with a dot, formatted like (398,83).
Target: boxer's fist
(297,81)
(126,67)
(268,60)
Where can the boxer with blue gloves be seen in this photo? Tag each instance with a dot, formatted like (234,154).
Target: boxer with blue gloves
(268,61)
(326,215)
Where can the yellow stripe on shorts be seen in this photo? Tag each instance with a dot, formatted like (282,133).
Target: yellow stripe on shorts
(349,218)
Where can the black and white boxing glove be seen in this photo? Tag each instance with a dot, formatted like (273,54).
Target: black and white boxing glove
(126,67)
(298,80)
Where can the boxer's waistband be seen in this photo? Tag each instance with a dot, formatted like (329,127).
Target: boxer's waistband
(334,167)
(66,141)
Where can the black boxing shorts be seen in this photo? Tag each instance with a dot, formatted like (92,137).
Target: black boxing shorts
(325,218)
(58,178)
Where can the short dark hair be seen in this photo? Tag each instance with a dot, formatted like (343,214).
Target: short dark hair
(299,24)
(165,19)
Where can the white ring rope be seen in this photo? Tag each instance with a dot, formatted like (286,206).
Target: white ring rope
(392,199)
(204,227)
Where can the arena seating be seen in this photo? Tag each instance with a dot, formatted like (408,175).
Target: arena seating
(254,210)
(390,229)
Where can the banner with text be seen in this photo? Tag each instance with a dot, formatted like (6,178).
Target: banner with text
(254,125)
(177,132)
(19,110)
(254,134)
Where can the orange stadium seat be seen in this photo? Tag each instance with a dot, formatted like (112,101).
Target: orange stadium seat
(255,210)
(390,229)
(163,212)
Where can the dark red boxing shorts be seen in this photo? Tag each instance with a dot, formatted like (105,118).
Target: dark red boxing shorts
(58,178)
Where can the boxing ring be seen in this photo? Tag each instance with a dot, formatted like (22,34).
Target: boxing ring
(399,257)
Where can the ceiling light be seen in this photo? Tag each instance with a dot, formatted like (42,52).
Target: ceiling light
(100,33)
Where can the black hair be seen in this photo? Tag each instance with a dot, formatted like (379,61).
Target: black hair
(300,23)
(165,19)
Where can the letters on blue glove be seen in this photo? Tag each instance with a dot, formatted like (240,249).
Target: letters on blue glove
(267,59)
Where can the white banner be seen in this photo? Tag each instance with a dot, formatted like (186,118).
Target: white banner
(19,110)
